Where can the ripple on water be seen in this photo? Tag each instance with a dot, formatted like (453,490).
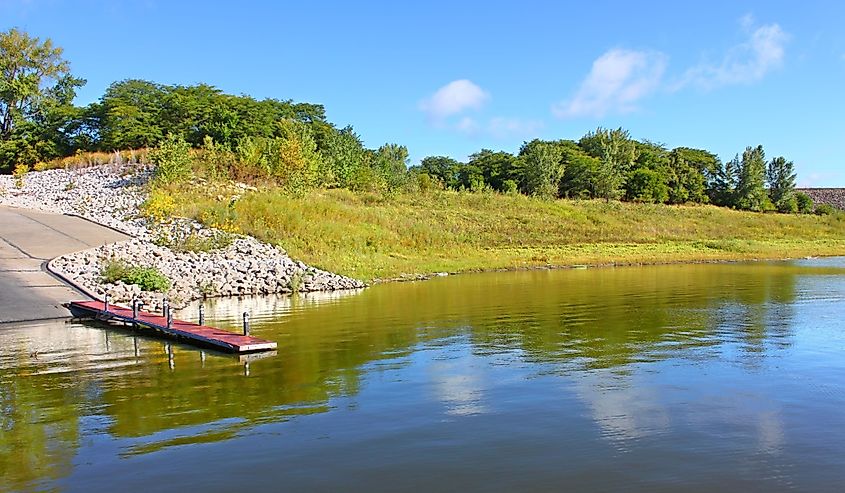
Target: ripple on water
(667,378)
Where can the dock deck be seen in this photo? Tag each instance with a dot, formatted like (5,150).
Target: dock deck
(189,331)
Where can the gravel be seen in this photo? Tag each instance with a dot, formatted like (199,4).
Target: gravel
(111,195)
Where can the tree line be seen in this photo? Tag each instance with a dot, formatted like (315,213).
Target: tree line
(201,129)
(609,164)
(276,140)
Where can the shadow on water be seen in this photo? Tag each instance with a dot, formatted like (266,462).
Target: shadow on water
(62,383)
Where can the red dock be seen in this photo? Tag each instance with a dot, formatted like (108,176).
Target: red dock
(198,334)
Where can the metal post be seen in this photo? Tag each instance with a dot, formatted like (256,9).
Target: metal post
(169,317)
(202,314)
(134,308)
(106,303)
(165,306)
(246,323)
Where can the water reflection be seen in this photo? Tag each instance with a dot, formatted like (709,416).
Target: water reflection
(643,353)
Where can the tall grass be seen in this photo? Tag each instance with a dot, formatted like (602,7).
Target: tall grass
(87,159)
(373,236)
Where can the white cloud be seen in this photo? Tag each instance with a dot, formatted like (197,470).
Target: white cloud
(617,81)
(745,63)
(453,98)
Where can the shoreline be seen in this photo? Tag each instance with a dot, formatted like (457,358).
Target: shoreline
(249,264)
(601,265)
(111,196)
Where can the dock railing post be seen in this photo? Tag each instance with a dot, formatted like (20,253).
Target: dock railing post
(169,317)
(106,303)
(202,314)
(134,311)
(165,306)
(246,323)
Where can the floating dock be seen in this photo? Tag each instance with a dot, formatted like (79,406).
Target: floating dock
(194,333)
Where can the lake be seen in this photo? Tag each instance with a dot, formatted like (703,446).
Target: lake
(665,378)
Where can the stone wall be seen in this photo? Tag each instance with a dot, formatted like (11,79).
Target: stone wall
(830,196)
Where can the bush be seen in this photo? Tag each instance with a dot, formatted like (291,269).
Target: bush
(645,185)
(147,278)
(804,203)
(214,161)
(510,187)
(788,205)
(20,171)
(825,209)
(172,159)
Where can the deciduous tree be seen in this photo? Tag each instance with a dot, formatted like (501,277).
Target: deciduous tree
(781,177)
(36,89)
(750,188)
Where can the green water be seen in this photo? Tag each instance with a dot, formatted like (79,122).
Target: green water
(688,378)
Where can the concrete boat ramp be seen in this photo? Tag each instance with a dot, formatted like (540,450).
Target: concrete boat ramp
(28,240)
(29,292)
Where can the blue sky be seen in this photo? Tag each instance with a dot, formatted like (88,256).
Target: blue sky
(450,78)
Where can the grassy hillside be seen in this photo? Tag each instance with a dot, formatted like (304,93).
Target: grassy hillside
(370,236)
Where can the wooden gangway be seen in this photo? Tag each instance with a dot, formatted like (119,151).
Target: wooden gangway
(194,333)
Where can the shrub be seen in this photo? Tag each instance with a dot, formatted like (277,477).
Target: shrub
(804,203)
(147,278)
(788,205)
(645,185)
(214,161)
(172,159)
(825,209)
(426,183)
(20,171)
(113,271)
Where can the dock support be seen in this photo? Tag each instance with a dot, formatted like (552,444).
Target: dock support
(171,327)
(165,306)
(134,311)
(202,314)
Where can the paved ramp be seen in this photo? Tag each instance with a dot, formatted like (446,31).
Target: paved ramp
(28,239)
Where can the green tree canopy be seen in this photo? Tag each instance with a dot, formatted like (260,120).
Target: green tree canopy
(781,178)
(496,168)
(616,152)
(542,168)
(750,188)
(36,95)
(442,168)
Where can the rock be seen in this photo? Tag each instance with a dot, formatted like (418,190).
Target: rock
(111,195)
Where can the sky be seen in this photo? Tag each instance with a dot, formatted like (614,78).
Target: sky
(451,78)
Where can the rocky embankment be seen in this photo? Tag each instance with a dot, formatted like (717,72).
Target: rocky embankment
(831,196)
(111,195)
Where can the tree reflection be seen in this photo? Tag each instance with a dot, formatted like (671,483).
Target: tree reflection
(570,322)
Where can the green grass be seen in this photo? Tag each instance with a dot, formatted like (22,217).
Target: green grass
(147,278)
(370,236)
